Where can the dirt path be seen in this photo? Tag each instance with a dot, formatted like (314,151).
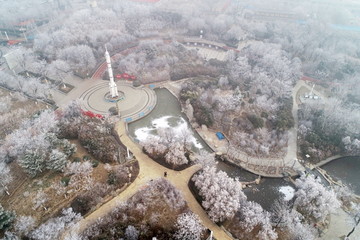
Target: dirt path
(149,169)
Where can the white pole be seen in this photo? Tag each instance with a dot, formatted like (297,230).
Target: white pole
(25,36)
(128,152)
(7,37)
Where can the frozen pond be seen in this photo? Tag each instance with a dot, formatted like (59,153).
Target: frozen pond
(267,192)
(166,114)
(347,170)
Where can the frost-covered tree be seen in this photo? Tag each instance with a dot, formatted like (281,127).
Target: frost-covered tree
(79,58)
(57,160)
(223,81)
(189,227)
(169,144)
(27,85)
(36,145)
(32,135)
(291,222)
(71,111)
(5,177)
(40,200)
(314,200)
(24,58)
(80,173)
(53,228)
(253,215)
(24,224)
(154,146)
(352,146)
(6,218)
(176,154)
(221,193)
(205,159)
(131,233)
(59,69)
(33,162)
(68,148)
(267,67)
(10,236)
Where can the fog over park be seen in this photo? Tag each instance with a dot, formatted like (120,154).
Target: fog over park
(179,119)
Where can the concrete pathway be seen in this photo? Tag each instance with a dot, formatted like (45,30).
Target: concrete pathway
(149,169)
(340,226)
(290,159)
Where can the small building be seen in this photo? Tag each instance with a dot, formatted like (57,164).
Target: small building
(220,136)
(13,61)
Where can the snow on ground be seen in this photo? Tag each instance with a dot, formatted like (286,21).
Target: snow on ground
(177,124)
(288,192)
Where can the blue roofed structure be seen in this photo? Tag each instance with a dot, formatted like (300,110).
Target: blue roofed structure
(220,136)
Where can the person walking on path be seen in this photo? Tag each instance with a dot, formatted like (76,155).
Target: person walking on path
(165,174)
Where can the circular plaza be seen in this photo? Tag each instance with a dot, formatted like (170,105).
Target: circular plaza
(133,103)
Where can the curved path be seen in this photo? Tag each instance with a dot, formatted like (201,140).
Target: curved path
(149,169)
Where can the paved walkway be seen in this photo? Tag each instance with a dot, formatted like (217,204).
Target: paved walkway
(340,226)
(149,169)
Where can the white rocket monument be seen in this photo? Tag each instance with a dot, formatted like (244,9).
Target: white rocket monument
(112,84)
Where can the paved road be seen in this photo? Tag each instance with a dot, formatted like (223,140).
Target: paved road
(149,169)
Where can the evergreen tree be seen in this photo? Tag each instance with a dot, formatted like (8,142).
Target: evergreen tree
(131,233)
(57,160)
(6,218)
(68,148)
(33,162)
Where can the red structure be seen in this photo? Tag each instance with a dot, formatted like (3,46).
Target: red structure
(13,42)
(125,76)
(91,114)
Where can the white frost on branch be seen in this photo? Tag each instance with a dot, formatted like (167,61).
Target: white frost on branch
(189,227)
